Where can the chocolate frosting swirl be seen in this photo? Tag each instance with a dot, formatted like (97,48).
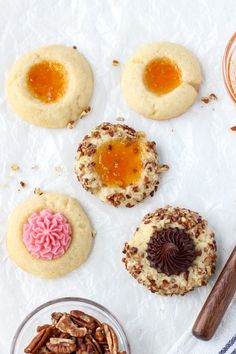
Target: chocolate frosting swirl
(170,251)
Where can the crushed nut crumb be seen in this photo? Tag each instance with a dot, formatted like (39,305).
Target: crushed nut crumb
(88,109)
(71,125)
(205,100)
(120,119)
(209,98)
(22,184)
(38,191)
(14,167)
(115,62)
(163,168)
(233,128)
(213,97)
(85,112)
(74,47)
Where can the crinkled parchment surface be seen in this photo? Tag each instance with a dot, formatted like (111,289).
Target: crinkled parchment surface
(199,148)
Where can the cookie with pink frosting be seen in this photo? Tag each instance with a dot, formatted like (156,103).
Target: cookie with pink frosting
(49,235)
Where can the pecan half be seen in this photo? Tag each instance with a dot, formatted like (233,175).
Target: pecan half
(99,334)
(39,340)
(90,340)
(83,319)
(66,325)
(43,350)
(111,338)
(55,316)
(61,345)
(40,328)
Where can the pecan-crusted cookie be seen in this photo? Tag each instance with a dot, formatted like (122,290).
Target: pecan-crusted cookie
(172,252)
(118,164)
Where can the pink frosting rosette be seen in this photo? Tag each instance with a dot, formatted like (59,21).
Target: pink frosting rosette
(47,235)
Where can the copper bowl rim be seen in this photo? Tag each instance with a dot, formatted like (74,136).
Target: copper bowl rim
(231,46)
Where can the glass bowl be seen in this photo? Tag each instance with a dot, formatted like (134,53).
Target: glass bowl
(229,67)
(42,315)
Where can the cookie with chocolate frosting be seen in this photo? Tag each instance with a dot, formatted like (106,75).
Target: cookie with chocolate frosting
(172,251)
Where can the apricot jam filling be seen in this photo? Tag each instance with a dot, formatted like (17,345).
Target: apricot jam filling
(119,163)
(161,75)
(47,81)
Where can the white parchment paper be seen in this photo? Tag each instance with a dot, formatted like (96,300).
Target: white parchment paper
(199,148)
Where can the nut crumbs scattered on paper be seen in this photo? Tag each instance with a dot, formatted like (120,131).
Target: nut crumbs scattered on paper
(85,112)
(115,62)
(14,167)
(213,97)
(71,125)
(38,191)
(120,119)
(210,98)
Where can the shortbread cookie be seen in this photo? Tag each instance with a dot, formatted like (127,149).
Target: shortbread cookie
(51,86)
(118,164)
(161,80)
(172,251)
(49,235)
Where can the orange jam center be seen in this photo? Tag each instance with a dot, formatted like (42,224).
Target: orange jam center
(161,76)
(118,162)
(47,81)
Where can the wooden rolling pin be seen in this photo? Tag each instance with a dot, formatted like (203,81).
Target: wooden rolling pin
(217,302)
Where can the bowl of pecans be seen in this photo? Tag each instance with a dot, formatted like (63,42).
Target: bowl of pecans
(70,325)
